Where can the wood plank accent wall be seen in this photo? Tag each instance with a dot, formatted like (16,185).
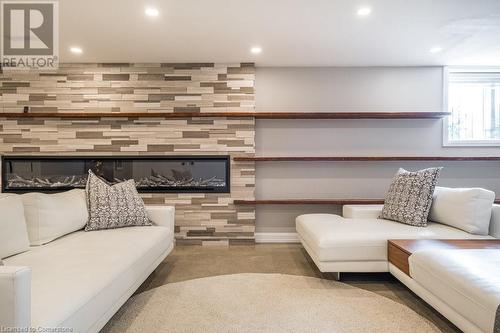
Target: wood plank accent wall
(200,218)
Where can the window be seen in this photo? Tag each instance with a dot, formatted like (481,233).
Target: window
(473,98)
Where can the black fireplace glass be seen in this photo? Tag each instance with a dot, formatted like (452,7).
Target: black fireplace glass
(181,174)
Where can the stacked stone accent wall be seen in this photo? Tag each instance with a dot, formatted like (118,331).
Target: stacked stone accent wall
(200,218)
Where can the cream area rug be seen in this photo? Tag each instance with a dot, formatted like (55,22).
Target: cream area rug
(264,303)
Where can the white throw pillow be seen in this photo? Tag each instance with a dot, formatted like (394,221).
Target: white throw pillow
(50,216)
(468,209)
(13,234)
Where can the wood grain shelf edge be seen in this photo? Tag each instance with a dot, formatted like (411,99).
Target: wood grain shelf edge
(315,202)
(351,115)
(254,114)
(309,202)
(363,158)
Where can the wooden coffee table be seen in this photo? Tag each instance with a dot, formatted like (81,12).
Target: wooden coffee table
(399,250)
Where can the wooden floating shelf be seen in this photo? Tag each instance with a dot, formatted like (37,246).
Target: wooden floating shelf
(364,158)
(315,202)
(310,202)
(351,115)
(257,115)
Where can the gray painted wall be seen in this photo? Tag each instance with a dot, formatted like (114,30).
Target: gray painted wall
(351,89)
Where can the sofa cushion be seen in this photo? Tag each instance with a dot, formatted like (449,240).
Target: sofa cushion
(468,209)
(13,233)
(334,238)
(466,280)
(409,197)
(49,216)
(114,206)
(78,277)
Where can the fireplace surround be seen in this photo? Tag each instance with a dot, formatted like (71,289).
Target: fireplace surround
(200,218)
(163,174)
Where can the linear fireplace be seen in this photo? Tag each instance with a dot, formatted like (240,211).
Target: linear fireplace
(179,174)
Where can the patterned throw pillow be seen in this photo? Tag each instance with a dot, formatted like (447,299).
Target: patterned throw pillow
(114,206)
(410,196)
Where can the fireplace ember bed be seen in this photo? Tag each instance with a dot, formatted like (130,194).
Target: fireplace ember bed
(169,174)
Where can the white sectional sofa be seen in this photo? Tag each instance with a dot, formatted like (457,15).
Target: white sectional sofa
(78,281)
(357,241)
(462,284)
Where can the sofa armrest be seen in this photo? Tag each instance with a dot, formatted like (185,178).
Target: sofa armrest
(495,221)
(15,299)
(163,216)
(362,211)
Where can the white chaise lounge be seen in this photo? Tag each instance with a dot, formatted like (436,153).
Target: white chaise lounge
(357,242)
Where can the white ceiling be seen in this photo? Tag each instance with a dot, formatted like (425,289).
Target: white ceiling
(290,32)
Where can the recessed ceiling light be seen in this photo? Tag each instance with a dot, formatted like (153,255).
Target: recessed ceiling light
(364,11)
(256,50)
(436,49)
(150,11)
(75,50)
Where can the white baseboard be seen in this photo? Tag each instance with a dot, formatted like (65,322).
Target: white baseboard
(276,237)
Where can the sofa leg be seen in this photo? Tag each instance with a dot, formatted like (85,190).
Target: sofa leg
(330,276)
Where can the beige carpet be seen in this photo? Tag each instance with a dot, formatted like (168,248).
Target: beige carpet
(264,303)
